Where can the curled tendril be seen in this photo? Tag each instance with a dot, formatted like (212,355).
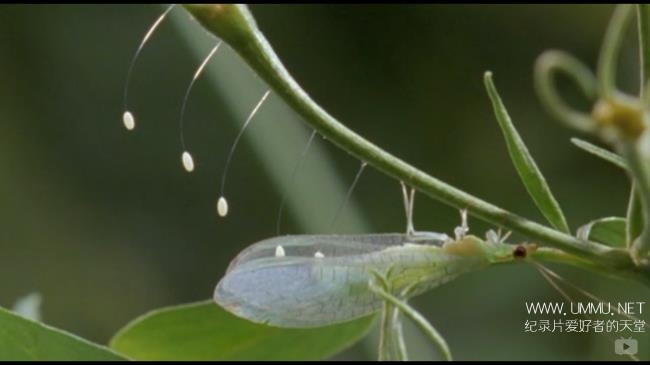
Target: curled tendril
(601,87)
(619,119)
(546,66)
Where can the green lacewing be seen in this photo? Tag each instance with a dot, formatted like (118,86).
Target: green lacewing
(306,281)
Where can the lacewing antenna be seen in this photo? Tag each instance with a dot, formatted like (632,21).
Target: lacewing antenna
(587,294)
(549,275)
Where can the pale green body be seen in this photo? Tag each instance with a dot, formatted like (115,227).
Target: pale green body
(300,290)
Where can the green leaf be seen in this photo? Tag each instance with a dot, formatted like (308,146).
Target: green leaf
(601,152)
(22,339)
(610,231)
(205,331)
(526,167)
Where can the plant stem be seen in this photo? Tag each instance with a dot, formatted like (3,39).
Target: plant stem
(643,18)
(640,248)
(607,61)
(400,344)
(235,25)
(384,334)
(418,319)
(641,172)
(391,337)
(635,221)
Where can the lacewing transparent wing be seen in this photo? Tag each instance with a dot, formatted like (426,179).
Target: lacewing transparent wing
(318,280)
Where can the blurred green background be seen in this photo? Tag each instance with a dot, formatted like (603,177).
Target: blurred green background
(106,224)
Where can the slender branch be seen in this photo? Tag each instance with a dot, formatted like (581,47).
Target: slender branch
(391,336)
(635,221)
(400,342)
(385,350)
(417,318)
(235,25)
(638,163)
(640,249)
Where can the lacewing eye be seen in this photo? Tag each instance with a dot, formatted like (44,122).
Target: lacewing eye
(520,252)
